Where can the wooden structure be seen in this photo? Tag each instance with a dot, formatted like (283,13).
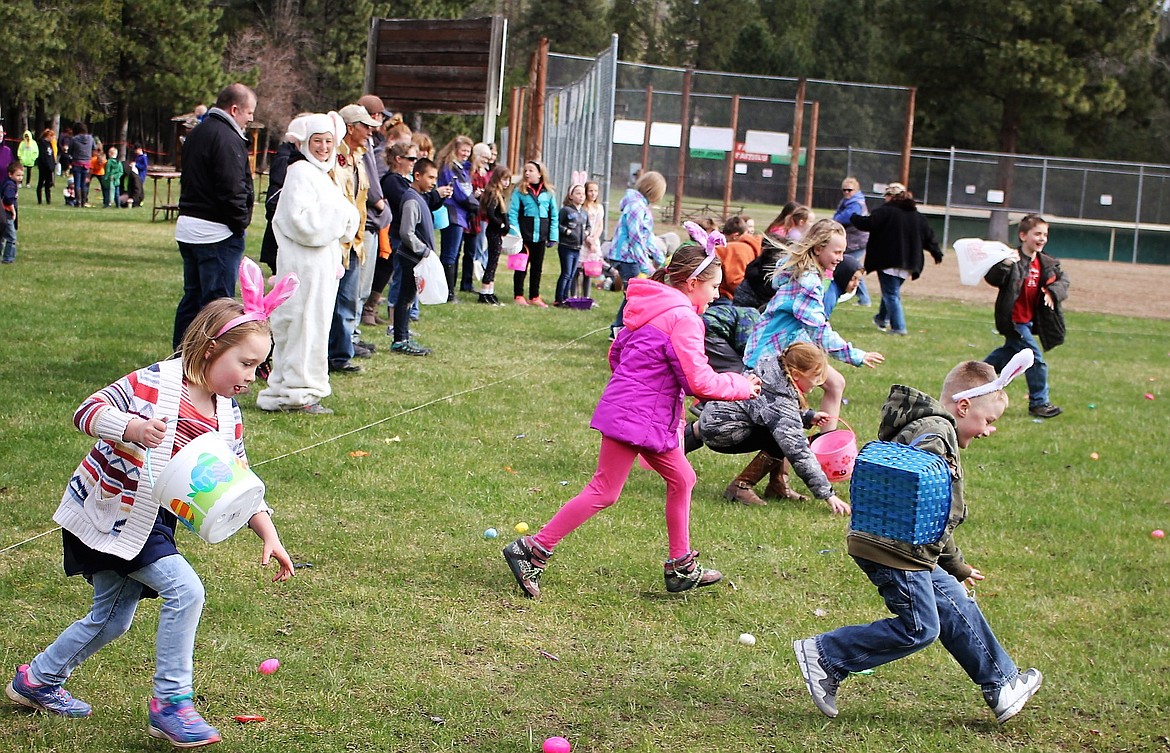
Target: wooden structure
(184,124)
(439,66)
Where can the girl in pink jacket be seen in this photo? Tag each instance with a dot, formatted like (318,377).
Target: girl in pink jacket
(656,359)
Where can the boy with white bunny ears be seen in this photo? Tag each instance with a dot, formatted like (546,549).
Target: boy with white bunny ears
(122,540)
(922,585)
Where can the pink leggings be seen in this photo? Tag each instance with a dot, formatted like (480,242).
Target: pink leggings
(613,468)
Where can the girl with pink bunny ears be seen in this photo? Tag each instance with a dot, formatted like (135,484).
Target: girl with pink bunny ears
(311,220)
(117,535)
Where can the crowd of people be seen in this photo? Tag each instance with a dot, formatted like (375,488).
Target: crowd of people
(357,202)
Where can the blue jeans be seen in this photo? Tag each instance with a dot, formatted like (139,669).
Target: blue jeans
(115,600)
(210,271)
(1037,375)
(628,270)
(8,238)
(450,240)
(569,257)
(890,309)
(926,605)
(862,291)
(81,183)
(345,314)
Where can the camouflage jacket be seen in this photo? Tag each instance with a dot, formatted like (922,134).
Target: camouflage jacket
(906,415)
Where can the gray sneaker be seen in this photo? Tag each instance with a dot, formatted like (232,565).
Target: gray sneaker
(821,686)
(1010,698)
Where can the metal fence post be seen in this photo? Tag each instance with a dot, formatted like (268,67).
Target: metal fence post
(1137,215)
(947,212)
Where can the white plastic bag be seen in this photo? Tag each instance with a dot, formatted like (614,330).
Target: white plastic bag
(511,244)
(431,280)
(977,257)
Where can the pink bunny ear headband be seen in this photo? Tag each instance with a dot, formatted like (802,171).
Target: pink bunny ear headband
(1020,363)
(257,306)
(708,240)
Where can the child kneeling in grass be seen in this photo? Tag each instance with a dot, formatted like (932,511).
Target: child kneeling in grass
(923,585)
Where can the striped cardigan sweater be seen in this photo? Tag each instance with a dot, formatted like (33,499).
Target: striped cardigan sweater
(108,503)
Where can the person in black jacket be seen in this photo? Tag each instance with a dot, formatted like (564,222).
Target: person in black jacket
(495,206)
(1031,288)
(215,203)
(286,154)
(898,235)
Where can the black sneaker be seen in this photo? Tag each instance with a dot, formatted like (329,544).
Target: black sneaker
(409,348)
(1048,410)
(360,352)
(348,367)
(527,560)
(368,346)
(685,573)
(493,300)
(484,298)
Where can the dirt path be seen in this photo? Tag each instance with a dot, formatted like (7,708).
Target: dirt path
(1097,286)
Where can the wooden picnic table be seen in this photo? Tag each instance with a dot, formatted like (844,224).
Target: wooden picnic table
(170,207)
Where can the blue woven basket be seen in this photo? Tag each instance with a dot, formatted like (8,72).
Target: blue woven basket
(900,492)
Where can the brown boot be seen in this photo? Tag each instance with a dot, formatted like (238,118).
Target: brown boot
(741,489)
(778,484)
(370,311)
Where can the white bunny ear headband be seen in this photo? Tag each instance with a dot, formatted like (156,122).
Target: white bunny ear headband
(1020,363)
(708,241)
(257,306)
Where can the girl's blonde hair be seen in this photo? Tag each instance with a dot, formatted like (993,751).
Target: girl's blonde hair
(449,155)
(685,261)
(802,256)
(200,335)
(596,201)
(426,147)
(806,359)
(651,185)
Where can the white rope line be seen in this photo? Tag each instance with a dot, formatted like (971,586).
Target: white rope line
(380,421)
(34,538)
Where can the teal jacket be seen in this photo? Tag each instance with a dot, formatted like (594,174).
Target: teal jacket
(533,215)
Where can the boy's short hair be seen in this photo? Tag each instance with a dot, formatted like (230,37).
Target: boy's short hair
(422,164)
(1030,221)
(735,225)
(966,375)
(13,166)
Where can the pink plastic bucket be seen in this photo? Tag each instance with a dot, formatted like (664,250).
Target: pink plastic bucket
(518,262)
(592,268)
(836,451)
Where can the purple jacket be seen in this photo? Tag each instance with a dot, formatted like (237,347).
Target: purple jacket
(657,358)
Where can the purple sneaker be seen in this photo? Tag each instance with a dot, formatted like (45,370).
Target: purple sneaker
(179,722)
(52,698)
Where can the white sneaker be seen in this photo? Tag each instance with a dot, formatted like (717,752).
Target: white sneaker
(1009,700)
(821,686)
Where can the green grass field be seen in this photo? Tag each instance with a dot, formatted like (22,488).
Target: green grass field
(408,633)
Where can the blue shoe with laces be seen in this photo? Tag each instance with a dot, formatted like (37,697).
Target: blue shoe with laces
(179,722)
(52,698)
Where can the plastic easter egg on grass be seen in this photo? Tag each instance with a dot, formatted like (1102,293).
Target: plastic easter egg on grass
(747,639)
(491,533)
(556,745)
(1157,533)
(521,528)
(268,666)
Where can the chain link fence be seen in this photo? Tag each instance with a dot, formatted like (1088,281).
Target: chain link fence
(596,111)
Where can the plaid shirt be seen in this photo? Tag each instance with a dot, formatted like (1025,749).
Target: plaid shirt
(633,240)
(797,312)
